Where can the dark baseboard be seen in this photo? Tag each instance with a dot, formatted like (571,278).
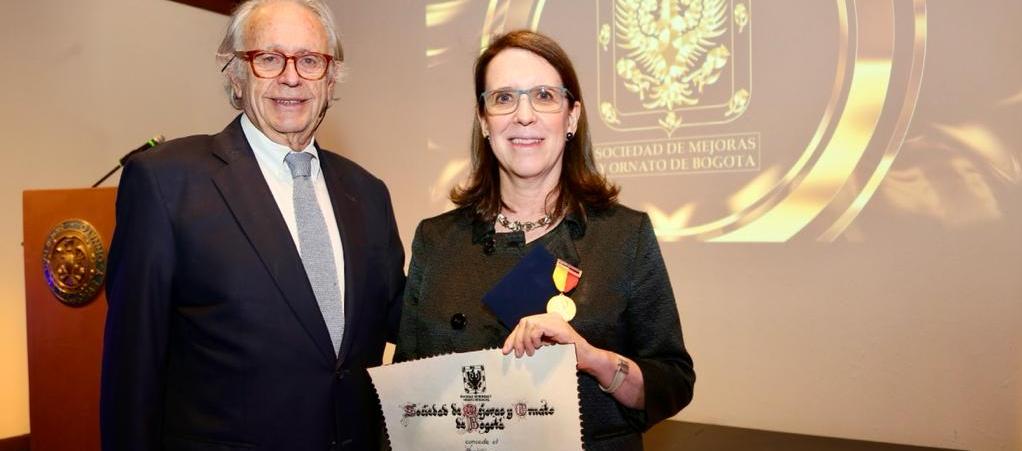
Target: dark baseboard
(19,443)
(684,436)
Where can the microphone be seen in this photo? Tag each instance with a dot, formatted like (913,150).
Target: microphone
(148,145)
(155,140)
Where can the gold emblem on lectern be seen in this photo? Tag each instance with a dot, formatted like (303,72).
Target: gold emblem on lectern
(74,262)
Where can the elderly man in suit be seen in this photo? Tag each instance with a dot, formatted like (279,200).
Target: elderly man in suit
(253,276)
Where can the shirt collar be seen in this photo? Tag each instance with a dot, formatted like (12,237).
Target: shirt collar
(271,155)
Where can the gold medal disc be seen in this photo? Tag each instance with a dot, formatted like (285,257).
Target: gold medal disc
(561,305)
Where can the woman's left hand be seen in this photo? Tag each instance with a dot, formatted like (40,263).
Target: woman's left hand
(532,332)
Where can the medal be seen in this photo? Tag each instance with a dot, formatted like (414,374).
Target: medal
(561,305)
(565,279)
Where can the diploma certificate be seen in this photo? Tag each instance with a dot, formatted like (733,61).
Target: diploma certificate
(482,400)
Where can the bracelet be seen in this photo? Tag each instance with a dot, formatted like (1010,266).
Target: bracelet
(619,376)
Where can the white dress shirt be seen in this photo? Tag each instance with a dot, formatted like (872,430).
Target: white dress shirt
(270,157)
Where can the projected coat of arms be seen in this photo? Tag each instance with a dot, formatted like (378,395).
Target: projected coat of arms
(725,120)
(672,63)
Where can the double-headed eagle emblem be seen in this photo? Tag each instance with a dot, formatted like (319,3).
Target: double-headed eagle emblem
(474,377)
(672,55)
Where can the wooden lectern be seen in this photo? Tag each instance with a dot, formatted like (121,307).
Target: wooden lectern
(65,341)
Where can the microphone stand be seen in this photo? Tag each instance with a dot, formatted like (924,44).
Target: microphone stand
(148,145)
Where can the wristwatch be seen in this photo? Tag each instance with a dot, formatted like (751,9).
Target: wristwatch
(619,376)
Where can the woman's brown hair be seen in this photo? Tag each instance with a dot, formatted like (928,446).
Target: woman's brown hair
(581,185)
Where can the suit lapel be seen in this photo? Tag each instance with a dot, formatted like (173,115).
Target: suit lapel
(245,192)
(348,213)
(563,246)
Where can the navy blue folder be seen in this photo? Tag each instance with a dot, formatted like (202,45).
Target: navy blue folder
(525,289)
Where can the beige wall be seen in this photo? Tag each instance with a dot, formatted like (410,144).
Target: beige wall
(904,330)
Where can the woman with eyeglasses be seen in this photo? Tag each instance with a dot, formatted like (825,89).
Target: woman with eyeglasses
(534,183)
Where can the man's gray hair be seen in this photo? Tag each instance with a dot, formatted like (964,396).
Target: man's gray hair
(234,39)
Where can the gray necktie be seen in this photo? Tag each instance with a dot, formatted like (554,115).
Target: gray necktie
(316,251)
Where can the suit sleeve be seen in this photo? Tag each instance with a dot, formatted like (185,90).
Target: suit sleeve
(395,271)
(655,336)
(407,344)
(140,273)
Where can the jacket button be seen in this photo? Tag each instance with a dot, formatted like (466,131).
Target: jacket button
(458,321)
(340,374)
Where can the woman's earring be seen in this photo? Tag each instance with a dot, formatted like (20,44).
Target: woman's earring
(569,136)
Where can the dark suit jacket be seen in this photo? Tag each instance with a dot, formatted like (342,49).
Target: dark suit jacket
(214,339)
(624,298)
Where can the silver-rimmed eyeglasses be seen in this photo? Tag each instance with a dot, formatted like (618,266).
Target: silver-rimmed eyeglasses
(270,64)
(544,99)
